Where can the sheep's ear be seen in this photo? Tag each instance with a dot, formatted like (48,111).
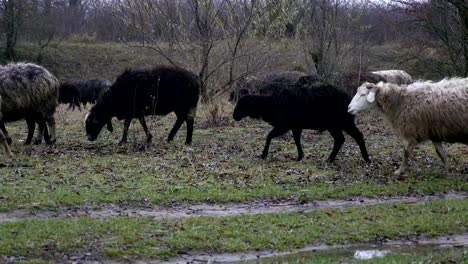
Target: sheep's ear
(371,97)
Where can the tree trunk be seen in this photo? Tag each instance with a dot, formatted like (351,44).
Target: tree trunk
(11,27)
(462,7)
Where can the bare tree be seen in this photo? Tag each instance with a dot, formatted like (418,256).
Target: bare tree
(327,33)
(13,12)
(438,33)
(210,37)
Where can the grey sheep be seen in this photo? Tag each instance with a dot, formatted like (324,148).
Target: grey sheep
(27,91)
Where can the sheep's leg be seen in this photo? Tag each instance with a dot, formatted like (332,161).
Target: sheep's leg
(5,132)
(127,123)
(40,132)
(408,149)
(31,127)
(442,154)
(175,128)
(6,146)
(149,137)
(297,139)
(354,132)
(50,136)
(339,139)
(190,121)
(276,132)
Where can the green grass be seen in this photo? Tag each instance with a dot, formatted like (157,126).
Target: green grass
(221,166)
(146,238)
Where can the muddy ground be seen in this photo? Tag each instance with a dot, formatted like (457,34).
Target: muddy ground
(219,176)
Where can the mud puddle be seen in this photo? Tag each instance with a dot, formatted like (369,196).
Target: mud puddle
(218,210)
(352,251)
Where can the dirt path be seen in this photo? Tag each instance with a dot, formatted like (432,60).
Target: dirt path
(443,241)
(218,210)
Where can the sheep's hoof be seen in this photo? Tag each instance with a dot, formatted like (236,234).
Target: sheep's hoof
(9,140)
(122,142)
(51,142)
(300,158)
(149,139)
(188,143)
(37,141)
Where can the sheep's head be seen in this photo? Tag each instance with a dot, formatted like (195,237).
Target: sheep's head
(94,124)
(247,106)
(364,98)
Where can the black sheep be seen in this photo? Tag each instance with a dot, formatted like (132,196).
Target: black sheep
(272,83)
(92,90)
(79,92)
(137,93)
(319,107)
(69,94)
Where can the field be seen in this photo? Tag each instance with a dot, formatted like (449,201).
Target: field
(82,201)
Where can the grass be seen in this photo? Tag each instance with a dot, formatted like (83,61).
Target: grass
(145,238)
(221,166)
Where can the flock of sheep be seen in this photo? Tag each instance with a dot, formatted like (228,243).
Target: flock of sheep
(289,101)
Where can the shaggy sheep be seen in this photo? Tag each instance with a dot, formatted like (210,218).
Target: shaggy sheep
(270,84)
(395,76)
(419,112)
(319,107)
(28,91)
(137,93)
(79,92)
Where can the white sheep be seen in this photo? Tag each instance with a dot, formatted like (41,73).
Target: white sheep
(436,111)
(395,76)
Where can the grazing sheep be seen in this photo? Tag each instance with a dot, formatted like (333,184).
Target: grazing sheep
(395,76)
(69,94)
(92,90)
(419,112)
(272,83)
(350,81)
(319,107)
(28,91)
(79,92)
(137,93)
